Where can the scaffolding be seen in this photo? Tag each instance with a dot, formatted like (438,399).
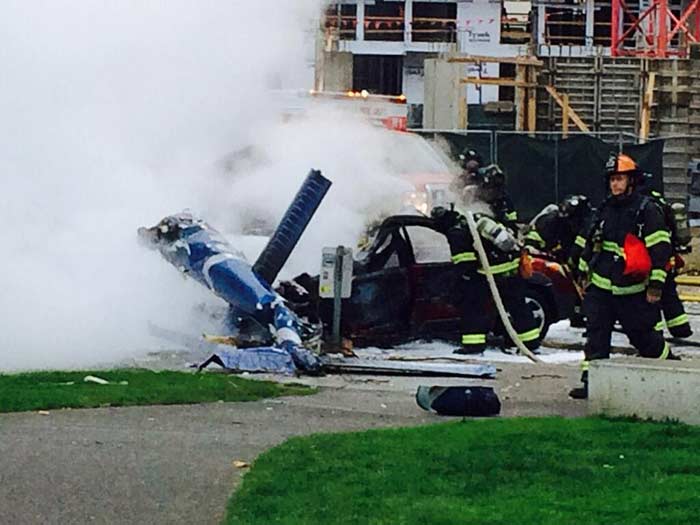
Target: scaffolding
(659,30)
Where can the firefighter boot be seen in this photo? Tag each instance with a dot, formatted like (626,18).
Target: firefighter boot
(673,357)
(682,331)
(580,392)
(469,349)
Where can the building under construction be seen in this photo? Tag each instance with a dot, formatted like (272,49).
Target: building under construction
(594,66)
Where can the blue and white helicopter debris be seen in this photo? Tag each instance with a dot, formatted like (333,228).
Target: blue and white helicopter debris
(268,336)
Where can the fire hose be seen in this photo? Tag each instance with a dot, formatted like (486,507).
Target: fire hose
(494,291)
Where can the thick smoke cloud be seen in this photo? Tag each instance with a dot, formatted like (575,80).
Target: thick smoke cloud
(115,114)
(112,113)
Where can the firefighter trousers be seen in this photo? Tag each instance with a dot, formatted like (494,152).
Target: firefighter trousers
(638,318)
(513,290)
(674,314)
(477,312)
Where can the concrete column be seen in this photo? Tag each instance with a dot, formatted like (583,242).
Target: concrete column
(360,27)
(590,19)
(443,102)
(461,22)
(540,25)
(408,21)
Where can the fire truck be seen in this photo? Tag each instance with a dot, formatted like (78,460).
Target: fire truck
(388,111)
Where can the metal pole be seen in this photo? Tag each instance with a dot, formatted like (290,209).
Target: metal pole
(615,28)
(540,31)
(556,168)
(590,23)
(408,21)
(662,21)
(337,292)
(359,21)
(339,18)
(495,147)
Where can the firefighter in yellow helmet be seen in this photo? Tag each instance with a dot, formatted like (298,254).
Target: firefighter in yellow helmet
(624,260)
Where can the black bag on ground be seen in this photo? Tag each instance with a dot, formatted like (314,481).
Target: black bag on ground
(475,401)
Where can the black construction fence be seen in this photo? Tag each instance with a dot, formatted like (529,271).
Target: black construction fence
(544,168)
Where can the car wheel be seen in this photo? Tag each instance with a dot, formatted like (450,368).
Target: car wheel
(537,302)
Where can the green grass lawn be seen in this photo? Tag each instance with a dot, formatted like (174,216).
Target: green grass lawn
(51,390)
(509,471)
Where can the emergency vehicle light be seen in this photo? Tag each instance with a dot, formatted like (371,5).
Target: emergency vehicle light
(365,94)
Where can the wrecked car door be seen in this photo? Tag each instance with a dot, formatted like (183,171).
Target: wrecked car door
(434,282)
(379,310)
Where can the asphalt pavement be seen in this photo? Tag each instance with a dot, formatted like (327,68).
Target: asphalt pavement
(174,464)
(155,464)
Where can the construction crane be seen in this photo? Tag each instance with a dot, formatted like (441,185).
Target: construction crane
(660,30)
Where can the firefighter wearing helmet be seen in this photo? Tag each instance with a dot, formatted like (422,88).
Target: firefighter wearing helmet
(491,184)
(675,318)
(471,162)
(560,231)
(478,314)
(473,293)
(486,184)
(557,229)
(624,260)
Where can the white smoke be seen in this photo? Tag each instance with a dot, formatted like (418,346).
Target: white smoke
(112,113)
(113,116)
(364,162)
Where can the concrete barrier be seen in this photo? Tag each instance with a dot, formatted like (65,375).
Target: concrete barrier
(645,388)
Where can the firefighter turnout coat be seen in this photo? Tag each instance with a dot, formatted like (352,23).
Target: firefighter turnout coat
(626,252)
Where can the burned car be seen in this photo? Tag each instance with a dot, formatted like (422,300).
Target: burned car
(405,287)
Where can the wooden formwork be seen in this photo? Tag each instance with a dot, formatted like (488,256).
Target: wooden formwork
(676,116)
(622,83)
(694,103)
(654,97)
(574,77)
(604,92)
